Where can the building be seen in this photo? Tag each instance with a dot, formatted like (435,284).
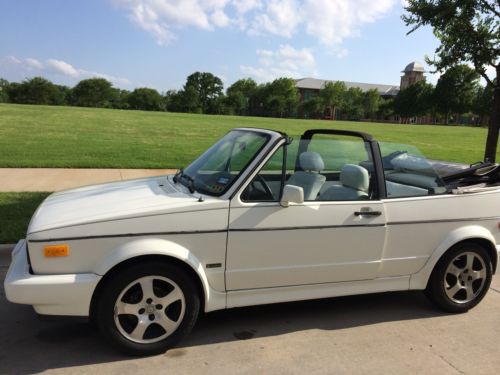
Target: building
(413,73)
(309,87)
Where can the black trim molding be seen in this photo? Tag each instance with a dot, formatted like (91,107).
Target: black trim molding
(270,229)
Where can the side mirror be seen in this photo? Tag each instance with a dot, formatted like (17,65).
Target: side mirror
(292,194)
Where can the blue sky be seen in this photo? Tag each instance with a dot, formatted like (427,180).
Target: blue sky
(158,43)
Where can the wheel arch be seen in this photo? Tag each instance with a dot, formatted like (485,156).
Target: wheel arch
(151,249)
(473,233)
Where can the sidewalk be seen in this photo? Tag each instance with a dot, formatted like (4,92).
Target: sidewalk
(55,179)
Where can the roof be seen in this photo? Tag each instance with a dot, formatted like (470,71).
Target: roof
(317,84)
(414,67)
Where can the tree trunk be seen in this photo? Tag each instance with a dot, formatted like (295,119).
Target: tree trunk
(494,127)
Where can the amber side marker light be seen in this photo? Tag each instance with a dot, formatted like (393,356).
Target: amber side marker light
(53,251)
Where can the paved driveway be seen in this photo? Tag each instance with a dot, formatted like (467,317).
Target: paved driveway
(386,333)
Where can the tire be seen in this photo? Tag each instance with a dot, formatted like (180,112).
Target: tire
(147,308)
(461,278)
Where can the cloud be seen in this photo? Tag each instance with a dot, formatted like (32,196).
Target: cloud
(286,61)
(328,22)
(16,69)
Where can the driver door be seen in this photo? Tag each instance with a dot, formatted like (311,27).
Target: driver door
(318,241)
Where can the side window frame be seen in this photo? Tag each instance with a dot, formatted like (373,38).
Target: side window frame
(380,191)
(283,145)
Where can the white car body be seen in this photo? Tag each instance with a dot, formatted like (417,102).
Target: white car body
(241,253)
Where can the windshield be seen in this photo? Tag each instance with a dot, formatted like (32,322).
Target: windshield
(218,167)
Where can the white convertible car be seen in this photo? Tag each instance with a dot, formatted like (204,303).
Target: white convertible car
(259,218)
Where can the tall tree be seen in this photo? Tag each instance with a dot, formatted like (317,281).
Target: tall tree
(455,90)
(414,101)
(371,103)
(146,99)
(482,102)
(469,31)
(207,87)
(240,94)
(36,90)
(313,107)
(333,96)
(281,97)
(93,92)
(4,86)
(352,107)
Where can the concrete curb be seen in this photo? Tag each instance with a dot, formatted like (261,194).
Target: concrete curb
(7,248)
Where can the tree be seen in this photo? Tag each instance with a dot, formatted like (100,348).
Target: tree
(333,96)
(414,101)
(119,99)
(93,92)
(35,90)
(313,107)
(371,103)
(469,31)
(281,97)
(206,87)
(146,99)
(483,100)
(240,95)
(4,86)
(352,107)
(455,90)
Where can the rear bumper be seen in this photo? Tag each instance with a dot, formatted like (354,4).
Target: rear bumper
(68,294)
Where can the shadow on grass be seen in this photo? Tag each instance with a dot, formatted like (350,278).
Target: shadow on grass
(16,210)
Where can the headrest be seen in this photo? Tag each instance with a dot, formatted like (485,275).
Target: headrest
(311,161)
(355,177)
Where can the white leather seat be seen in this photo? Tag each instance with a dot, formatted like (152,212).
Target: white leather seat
(355,182)
(309,179)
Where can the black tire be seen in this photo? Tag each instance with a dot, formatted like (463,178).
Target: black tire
(105,308)
(437,289)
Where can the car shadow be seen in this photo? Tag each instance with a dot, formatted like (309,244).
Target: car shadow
(30,345)
(325,314)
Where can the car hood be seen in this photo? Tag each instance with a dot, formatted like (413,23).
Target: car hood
(106,202)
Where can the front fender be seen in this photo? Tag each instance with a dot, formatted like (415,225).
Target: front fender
(419,280)
(154,246)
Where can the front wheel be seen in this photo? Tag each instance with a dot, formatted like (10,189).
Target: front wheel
(461,278)
(147,308)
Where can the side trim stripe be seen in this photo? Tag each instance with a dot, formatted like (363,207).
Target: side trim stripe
(442,220)
(272,229)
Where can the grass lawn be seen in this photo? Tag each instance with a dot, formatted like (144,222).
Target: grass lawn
(16,210)
(45,136)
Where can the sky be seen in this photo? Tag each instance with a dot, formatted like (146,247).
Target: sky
(158,43)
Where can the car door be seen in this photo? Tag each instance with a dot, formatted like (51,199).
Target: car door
(336,235)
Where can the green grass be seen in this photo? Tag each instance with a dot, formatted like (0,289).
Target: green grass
(16,210)
(45,136)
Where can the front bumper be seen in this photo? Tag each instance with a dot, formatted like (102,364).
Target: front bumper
(67,294)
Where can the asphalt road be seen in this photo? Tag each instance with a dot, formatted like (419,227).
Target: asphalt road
(390,333)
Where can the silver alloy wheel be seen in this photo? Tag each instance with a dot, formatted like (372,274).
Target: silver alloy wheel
(149,309)
(465,277)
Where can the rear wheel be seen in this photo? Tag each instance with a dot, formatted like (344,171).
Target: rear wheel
(461,278)
(147,308)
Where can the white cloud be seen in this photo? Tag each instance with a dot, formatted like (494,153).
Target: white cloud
(284,62)
(219,18)
(280,17)
(16,69)
(329,22)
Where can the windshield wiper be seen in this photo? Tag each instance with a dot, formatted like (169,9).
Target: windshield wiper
(178,174)
(190,180)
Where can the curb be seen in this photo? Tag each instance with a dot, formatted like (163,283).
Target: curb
(7,248)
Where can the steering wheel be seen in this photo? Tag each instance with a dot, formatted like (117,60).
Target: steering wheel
(264,184)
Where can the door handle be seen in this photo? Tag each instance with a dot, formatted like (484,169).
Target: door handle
(367,213)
